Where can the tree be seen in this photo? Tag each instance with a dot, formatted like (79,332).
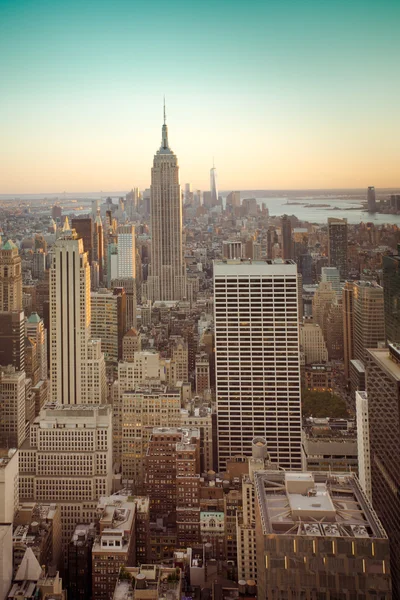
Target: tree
(323,404)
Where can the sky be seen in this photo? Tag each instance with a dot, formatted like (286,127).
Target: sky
(281,93)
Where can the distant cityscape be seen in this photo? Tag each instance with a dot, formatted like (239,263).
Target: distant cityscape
(200,393)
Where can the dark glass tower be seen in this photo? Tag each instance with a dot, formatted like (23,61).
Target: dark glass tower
(337,245)
(391,293)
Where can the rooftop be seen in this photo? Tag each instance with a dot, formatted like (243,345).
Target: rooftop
(315,504)
(148,582)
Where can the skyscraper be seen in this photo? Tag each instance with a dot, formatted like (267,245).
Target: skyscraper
(213,186)
(257,359)
(126,252)
(383,389)
(371,199)
(69,316)
(84,228)
(368,314)
(167,280)
(287,242)
(337,245)
(10,277)
(391,293)
(348,326)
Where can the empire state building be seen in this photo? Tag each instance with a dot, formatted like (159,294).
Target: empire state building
(167,280)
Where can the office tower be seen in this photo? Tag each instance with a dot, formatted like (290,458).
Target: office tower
(391,293)
(167,279)
(35,329)
(12,407)
(56,212)
(115,546)
(67,461)
(38,264)
(332,275)
(94,276)
(272,239)
(126,252)
(70,317)
(213,186)
(383,389)
(108,323)
(348,326)
(129,285)
(84,229)
(112,262)
(12,339)
(80,562)
(232,249)
(131,343)
(180,358)
(188,195)
(173,479)
(363,443)
(371,199)
(369,317)
(321,303)
(10,278)
(287,242)
(318,546)
(9,492)
(334,330)
(337,245)
(76,360)
(202,373)
(132,203)
(31,361)
(233,199)
(98,245)
(149,405)
(257,359)
(312,343)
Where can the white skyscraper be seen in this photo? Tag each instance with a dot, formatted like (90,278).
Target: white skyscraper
(257,359)
(126,252)
(213,186)
(167,279)
(71,367)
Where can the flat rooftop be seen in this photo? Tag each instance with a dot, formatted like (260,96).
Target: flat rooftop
(382,356)
(315,504)
(245,267)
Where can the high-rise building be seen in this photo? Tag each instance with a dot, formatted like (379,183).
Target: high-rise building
(312,343)
(80,562)
(363,444)
(337,245)
(317,548)
(67,460)
(383,392)
(371,199)
(232,249)
(257,359)
(131,343)
(334,334)
(167,279)
(348,326)
(332,275)
(6,562)
(321,304)
(38,264)
(12,339)
(10,277)
(126,252)
(287,242)
(202,373)
(147,406)
(129,286)
(12,407)
(84,229)
(9,490)
(233,199)
(98,245)
(391,293)
(369,317)
(213,186)
(108,322)
(69,317)
(35,329)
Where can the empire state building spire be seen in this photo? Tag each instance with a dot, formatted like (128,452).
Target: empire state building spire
(167,276)
(164,140)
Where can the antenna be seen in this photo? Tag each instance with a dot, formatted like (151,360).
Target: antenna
(165,114)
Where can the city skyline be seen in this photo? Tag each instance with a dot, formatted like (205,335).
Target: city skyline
(298,96)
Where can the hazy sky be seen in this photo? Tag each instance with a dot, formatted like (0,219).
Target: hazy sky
(284,93)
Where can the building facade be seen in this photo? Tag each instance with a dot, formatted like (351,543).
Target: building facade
(257,359)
